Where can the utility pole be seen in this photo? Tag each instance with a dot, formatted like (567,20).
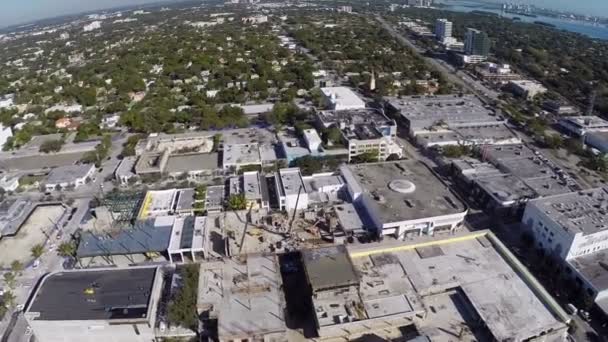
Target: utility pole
(592,96)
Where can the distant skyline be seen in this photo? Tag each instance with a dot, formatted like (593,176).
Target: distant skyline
(13,12)
(589,7)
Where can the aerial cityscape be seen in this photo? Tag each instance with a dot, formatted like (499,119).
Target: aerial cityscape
(305,170)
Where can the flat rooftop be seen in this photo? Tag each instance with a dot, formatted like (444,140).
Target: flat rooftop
(318,182)
(192,162)
(252,186)
(40,161)
(353,117)
(348,217)
(583,212)
(150,236)
(586,122)
(67,174)
(424,112)
(246,297)
(241,154)
(291,181)
(343,96)
(13,213)
(215,197)
(329,267)
(402,190)
(94,295)
(593,267)
(473,273)
(126,168)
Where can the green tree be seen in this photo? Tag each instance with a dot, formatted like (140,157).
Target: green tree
(366,157)
(10,279)
(237,202)
(67,249)
(17,266)
(553,141)
(182,308)
(309,165)
(37,251)
(51,146)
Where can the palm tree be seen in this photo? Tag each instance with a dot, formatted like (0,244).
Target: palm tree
(9,279)
(16,266)
(66,249)
(9,299)
(37,251)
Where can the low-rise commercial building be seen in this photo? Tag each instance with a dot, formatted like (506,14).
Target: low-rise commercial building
(508,176)
(69,176)
(117,305)
(341,98)
(167,202)
(570,225)
(450,120)
(559,108)
(402,199)
(364,131)
(253,185)
(313,140)
(527,88)
(291,190)
(581,125)
(125,170)
(468,286)
(496,72)
(573,228)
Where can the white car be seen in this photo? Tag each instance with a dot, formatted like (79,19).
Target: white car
(36,263)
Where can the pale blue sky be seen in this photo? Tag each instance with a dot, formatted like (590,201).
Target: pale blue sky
(21,11)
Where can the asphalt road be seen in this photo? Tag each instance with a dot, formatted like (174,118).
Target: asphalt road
(454,76)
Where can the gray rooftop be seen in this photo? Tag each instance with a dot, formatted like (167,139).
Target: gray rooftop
(329,267)
(594,268)
(584,212)
(192,162)
(246,297)
(586,122)
(291,181)
(354,117)
(423,112)
(116,294)
(13,213)
(348,217)
(40,161)
(425,196)
(474,279)
(252,186)
(515,172)
(68,174)
(241,154)
(126,168)
(215,197)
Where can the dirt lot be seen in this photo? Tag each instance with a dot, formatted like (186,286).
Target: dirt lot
(33,231)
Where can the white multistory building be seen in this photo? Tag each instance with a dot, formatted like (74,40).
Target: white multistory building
(570,225)
(341,98)
(443,29)
(402,199)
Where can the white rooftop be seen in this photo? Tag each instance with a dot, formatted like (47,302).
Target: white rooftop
(340,98)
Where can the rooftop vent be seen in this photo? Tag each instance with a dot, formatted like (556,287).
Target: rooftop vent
(402,186)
